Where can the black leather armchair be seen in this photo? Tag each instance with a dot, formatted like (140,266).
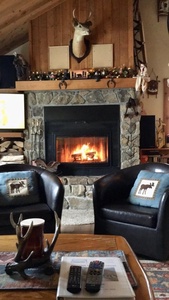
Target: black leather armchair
(146,229)
(51,195)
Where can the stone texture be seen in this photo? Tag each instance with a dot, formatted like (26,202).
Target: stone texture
(78,190)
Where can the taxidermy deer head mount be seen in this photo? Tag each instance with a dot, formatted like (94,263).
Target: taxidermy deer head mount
(79,46)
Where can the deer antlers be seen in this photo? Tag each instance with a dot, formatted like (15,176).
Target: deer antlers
(79,46)
(90,13)
(20,265)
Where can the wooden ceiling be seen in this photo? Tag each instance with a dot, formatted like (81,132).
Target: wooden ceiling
(14,20)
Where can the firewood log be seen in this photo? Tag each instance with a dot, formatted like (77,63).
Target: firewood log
(4,146)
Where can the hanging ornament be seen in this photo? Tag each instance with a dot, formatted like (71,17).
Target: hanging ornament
(152,88)
(142,80)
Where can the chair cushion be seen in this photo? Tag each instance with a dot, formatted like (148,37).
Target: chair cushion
(132,214)
(18,188)
(149,188)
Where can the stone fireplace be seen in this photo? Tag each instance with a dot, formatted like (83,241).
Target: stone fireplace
(126,146)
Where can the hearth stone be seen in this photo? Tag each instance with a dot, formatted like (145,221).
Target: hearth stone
(77,221)
(78,191)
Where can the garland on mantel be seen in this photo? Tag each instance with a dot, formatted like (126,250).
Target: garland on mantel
(97,74)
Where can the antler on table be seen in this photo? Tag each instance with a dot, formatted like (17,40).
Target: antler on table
(30,262)
(21,238)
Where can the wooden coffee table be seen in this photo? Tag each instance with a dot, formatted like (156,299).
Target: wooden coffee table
(80,242)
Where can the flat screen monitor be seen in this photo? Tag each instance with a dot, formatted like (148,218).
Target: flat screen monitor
(12,111)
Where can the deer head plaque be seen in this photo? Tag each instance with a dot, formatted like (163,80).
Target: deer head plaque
(79,46)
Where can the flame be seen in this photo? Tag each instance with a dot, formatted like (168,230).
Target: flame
(86,152)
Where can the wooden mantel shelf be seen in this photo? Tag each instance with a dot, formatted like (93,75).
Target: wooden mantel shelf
(78,84)
(11,134)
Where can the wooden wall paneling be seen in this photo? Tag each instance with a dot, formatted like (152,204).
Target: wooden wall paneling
(115,32)
(54,29)
(51,27)
(130,34)
(98,22)
(123,33)
(107,24)
(30,44)
(112,23)
(43,43)
(66,23)
(58,30)
(58,25)
(35,61)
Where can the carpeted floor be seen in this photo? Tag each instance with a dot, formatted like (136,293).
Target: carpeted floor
(77,221)
(158,274)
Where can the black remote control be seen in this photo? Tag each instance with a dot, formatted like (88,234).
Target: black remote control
(74,279)
(94,276)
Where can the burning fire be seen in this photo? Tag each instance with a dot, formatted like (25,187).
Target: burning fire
(85,153)
(87,149)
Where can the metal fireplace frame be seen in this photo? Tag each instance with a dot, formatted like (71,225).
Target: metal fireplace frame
(77,121)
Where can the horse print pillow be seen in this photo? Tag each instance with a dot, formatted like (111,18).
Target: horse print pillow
(149,188)
(18,188)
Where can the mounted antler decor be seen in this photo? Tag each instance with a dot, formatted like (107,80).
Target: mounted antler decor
(27,257)
(79,46)
(132,106)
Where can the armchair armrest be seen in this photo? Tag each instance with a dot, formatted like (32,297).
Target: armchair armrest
(111,188)
(54,191)
(163,212)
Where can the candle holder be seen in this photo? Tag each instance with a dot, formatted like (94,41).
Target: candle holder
(30,247)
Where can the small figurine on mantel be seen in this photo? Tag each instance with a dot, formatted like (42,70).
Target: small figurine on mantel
(22,67)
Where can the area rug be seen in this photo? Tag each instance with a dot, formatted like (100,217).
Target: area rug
(158,274)
(37,279)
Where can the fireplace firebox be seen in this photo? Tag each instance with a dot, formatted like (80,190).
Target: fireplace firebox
(85,140)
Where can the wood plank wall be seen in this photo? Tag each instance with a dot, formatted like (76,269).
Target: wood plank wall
(112,24)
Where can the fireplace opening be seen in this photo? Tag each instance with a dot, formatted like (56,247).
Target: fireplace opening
(82,149)
(83,139)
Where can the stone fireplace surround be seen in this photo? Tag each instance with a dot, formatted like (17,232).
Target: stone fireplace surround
(78,189)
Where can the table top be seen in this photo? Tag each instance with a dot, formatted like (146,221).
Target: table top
(80,242)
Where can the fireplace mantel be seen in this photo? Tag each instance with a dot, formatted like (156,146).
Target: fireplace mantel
(78,84)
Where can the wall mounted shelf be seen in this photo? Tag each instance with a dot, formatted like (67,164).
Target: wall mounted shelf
(11,134)
(77,84)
